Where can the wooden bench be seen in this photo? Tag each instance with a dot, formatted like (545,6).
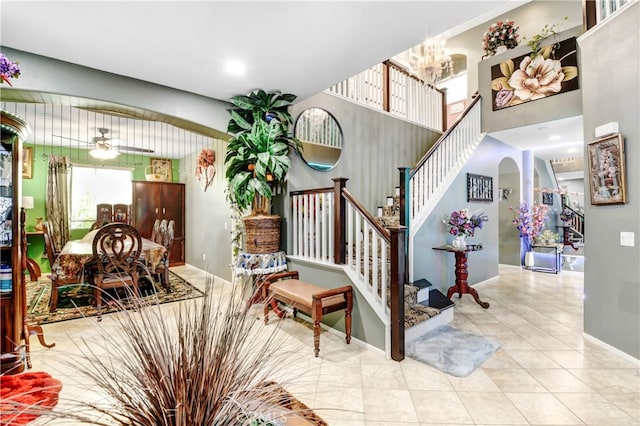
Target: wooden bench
(309,298)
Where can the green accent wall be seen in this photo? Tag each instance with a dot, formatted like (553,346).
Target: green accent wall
(36,187)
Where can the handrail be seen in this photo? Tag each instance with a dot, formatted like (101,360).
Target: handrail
(402,69)
(368,217)
(476,99)
(311,191)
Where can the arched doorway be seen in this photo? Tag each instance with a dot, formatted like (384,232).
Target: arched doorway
(508,195)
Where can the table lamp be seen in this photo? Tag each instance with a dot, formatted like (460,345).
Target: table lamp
(27,202)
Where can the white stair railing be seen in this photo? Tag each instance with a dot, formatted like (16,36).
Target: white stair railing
(408,97)
(429,180)
(367,256)
(313,225)
(367,243)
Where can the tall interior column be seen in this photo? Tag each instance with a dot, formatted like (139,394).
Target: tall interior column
(527,188)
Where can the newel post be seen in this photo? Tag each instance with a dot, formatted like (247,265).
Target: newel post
(339,218)
(405,206)
(397,291)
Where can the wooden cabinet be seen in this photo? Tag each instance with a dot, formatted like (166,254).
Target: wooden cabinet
(160,200)
(12,294)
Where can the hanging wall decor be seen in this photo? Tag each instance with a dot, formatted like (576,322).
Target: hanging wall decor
(553,69)
(205,170)
(607,177)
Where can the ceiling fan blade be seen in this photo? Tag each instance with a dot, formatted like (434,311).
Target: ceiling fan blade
(71,139)
(134,149)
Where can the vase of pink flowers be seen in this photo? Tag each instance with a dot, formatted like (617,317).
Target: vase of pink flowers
(529,220)
(8,69)
(462,224)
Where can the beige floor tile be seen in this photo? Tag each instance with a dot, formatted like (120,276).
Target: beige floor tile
(388,376)
(558,380)
(536,317)
(448,409)
(389,406)
(420,376)
(474,382)
(532,359)
(335,406)
(567,359)
(594,409)
(543,409)
(491,408)
(629,402)
(514,380)
(608,380)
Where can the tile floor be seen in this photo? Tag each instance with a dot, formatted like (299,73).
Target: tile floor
(545,373)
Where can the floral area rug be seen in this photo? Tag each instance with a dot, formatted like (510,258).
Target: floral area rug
(76,300)
(23,397)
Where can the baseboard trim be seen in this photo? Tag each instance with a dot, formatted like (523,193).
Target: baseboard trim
(613,349)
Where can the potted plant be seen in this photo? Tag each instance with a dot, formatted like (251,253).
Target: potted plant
(257,162)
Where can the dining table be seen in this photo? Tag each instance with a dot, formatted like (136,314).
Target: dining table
(76,253)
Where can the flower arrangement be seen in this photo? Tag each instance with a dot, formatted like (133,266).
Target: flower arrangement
(462,222)
(566,215)
(529,221)
(547,237)
(502,33)
(8,69)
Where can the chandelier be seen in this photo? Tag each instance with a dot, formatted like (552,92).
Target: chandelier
(430,59)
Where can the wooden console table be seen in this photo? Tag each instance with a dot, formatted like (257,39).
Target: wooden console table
(462,273)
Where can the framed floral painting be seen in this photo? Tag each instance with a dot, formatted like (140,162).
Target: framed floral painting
(607,179)
(551,70)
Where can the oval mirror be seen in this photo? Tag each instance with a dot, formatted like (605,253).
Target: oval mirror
(321,138)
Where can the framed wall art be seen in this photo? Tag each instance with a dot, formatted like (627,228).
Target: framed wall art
(551,70)
(547,198)
(27,162)
(607,178)
(479,188)
(162,167)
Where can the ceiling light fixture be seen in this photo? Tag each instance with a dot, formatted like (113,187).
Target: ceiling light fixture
(234,67)
(104,152)
(429,59)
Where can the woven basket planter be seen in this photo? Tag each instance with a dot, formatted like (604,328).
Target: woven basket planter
(261,234)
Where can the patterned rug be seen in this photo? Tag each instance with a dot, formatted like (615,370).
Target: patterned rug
(76,301)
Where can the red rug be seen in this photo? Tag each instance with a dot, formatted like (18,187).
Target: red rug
(24,396)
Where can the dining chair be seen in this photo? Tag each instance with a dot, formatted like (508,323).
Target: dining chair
(57,280)
(121,213)
(116,249)
(155,232)
(104,212)
(162,269)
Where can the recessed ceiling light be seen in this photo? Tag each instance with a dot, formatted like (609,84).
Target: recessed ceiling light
(234,67)
(554,138)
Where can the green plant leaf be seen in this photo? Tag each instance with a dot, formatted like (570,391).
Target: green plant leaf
(570,72)
(507,67)
(500,83)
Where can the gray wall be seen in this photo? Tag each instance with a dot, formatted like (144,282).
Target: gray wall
(437,266)
(366,326)
(564,105)
(610,65)
(530,17)
(375,144)
(508,235)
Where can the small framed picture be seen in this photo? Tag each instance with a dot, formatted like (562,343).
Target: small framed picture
(27,162)
(607,178)
(479,188)
(547,198)
(162,167)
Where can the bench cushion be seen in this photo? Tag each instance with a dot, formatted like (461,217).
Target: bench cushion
(302,292)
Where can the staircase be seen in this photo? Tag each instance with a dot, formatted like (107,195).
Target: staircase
(425,308)
(329,226)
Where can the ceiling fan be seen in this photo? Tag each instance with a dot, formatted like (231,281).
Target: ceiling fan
(105,148)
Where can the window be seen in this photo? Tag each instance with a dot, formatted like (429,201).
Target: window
(91,186)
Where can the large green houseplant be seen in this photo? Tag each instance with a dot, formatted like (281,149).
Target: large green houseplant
(257,159)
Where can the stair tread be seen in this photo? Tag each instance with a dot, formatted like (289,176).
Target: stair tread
(422,283)
(438,300)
